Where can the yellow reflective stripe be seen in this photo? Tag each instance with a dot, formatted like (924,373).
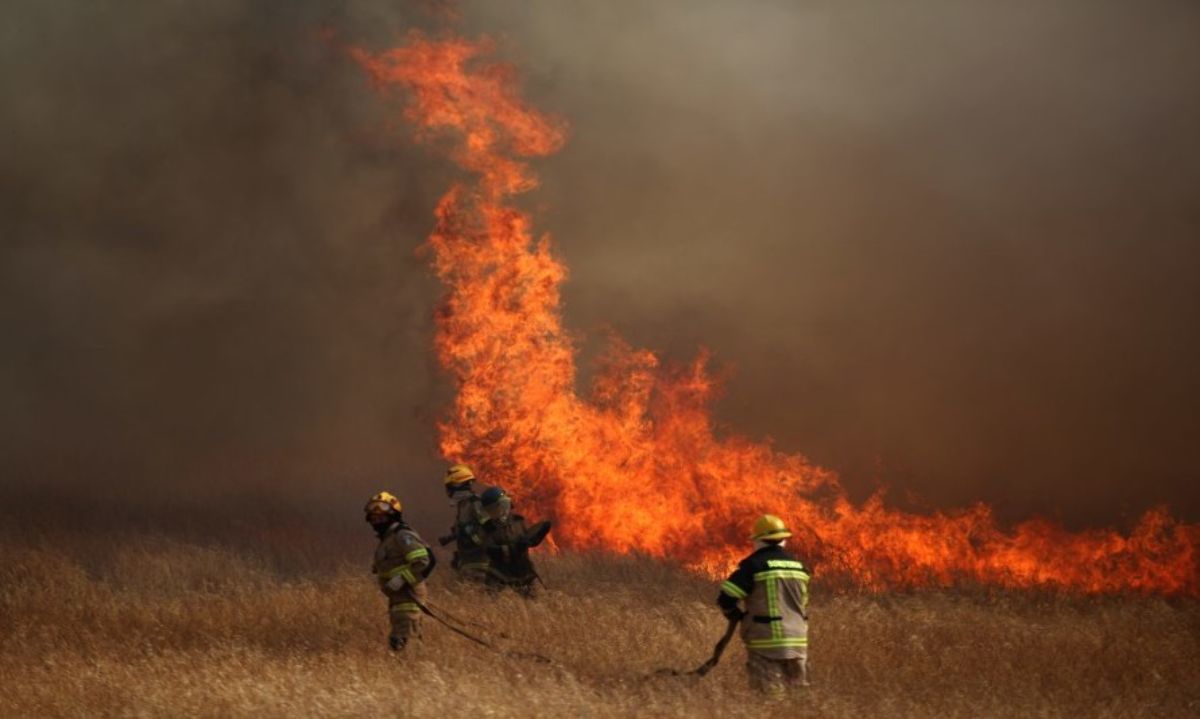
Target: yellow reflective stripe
(402,571)
(781,574)
(474,565)
(733,590)
(775,643)
(405,608)
(416,554)
(784,564)
(393,572)
(773,607)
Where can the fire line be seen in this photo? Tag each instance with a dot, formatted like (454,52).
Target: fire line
(587,456)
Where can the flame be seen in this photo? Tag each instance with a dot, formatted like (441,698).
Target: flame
(634,464)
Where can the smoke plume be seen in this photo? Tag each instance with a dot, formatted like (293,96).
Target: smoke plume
(949,247)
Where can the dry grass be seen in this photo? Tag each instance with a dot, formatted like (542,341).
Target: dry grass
(154,627)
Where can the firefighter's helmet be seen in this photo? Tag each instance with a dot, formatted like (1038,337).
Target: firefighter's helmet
(382,503)
(768,527)
(459,473)
(495,503)
(491,496)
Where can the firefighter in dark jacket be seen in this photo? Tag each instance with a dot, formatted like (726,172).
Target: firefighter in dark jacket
(506,542)
(773,587)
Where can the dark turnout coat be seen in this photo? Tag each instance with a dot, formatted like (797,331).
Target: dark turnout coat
(773,585)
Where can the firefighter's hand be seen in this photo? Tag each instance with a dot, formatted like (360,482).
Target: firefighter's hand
(395,584)
(446,539)
(735,614)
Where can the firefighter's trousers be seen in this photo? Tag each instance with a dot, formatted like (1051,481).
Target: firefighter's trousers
(405,614)
(775,676)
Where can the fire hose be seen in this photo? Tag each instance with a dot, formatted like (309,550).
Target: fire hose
(464,622)
(481,642)
(707,666)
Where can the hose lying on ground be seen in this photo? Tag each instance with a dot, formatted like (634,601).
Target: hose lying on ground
(481,642)
(707,666)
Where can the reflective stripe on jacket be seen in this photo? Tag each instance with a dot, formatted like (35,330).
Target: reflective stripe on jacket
(773,585)
(400,553)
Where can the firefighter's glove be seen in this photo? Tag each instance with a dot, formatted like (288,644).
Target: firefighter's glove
(394,584)
(734,614)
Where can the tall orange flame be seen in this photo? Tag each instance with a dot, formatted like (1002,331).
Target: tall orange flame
(635,465)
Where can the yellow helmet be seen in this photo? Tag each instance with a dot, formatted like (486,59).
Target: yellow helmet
(458,474)
(383,503)
(769,526)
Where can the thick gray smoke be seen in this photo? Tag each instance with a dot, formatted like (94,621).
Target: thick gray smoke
(949,246)
(209,260)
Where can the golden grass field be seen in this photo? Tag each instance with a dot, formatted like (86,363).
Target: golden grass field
(143,625)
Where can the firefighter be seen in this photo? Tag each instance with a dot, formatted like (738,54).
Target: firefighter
(402,563)
(506,542)
(470,561)
(773,586)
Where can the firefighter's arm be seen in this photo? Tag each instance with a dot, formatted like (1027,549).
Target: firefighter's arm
(407,571)
(394,579)
(535,536)
(729,607)
(418,562)
(733,590)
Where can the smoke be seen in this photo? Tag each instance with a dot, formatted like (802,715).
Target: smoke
(209,265)
(947,246)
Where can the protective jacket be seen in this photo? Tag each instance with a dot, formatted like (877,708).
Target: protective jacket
(774,587)
(401,553)
(469,555)
(506,542)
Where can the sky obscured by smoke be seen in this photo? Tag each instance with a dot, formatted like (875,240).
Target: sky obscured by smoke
(947,246)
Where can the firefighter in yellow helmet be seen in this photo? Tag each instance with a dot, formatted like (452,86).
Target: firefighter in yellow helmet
(402,563)
(772,585)
(470,560)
